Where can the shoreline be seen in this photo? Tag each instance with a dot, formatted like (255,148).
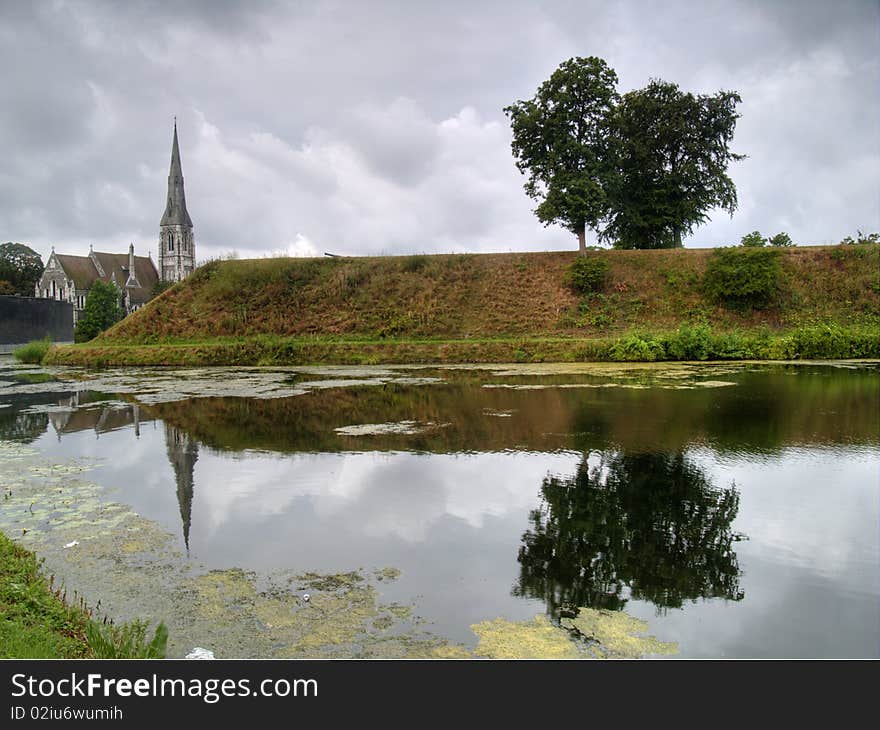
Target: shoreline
(827,341)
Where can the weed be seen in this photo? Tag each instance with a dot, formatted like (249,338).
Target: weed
(34,351)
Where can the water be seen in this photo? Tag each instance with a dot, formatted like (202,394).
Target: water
(735,508)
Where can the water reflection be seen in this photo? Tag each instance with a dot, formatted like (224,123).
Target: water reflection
(646,526)
(523,500)
(183,452)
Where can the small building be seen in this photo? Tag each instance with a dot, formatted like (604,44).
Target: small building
(68,278)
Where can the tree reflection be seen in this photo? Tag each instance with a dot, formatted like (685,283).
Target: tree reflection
(647,526)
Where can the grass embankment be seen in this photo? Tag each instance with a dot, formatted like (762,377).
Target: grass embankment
(38,622)
(652,305)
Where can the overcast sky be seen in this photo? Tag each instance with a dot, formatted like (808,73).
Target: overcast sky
(377,127)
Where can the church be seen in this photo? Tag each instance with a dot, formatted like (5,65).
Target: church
(68,278)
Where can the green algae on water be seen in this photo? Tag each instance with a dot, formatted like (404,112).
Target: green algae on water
(615,634)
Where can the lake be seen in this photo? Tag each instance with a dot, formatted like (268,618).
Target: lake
(733,508)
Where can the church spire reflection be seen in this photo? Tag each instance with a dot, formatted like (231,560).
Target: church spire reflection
(183,452)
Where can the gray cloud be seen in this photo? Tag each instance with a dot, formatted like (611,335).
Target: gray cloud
(377,127)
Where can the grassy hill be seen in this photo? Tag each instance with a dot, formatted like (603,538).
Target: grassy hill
(491,307)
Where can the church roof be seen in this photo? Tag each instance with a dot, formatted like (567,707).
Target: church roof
(84,273)
(79,268)
(175,208)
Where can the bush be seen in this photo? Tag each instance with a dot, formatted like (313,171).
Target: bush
(743,277)
(637,348)
(33,352)
(587,274)
(862,238)
(753,240)
(690,343)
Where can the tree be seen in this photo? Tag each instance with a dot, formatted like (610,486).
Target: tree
(102,310)
(20,269)
(753,240)
(781,240)
(560,139)
(672,152)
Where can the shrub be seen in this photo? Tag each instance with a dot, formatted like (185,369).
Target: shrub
(33,352)
(690,343)
(587,274)
(862,238)
(743,277)
(637,348)
(753,240)
(781,240)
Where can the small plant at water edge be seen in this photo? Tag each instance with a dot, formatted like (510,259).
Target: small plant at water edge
(126,641)
(33,352)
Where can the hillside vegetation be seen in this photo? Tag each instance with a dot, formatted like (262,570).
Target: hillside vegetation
(399,309)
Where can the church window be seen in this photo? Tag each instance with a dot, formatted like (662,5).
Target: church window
(170,244)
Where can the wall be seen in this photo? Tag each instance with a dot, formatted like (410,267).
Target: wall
(23,319)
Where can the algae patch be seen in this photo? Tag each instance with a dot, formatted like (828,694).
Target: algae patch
(535,639)
(342,618)
(615,634)
(591,634)
(402,428)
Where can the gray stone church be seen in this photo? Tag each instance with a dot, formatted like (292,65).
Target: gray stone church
(68,278)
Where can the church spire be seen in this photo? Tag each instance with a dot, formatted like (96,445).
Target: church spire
(175,209)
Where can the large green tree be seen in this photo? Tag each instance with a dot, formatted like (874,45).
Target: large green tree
(560,140)
(672,150)
(20,269)
(102,310)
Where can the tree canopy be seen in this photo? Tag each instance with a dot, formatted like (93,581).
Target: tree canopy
(672,152)
(102,310)
(642,170)
(20,269)
(560,140)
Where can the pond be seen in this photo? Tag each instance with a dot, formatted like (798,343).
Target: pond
(727,510)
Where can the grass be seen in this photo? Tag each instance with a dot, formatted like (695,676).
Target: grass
(33,352)
(688,342)
(489,308)
(38,622)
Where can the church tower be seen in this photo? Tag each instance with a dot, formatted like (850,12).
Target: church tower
(176,246)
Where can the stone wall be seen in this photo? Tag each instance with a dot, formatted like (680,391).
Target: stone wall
(23,319)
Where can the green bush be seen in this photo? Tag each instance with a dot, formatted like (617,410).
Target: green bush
(33,352)
(690,343)
(743,277)
(753,240)
(587,274)
(637,348)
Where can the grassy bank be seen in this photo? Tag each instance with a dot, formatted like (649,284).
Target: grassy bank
(699,342)
(37,621)
(824,302)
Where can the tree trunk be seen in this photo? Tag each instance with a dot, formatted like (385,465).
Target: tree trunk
(677,232)
(582,242)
